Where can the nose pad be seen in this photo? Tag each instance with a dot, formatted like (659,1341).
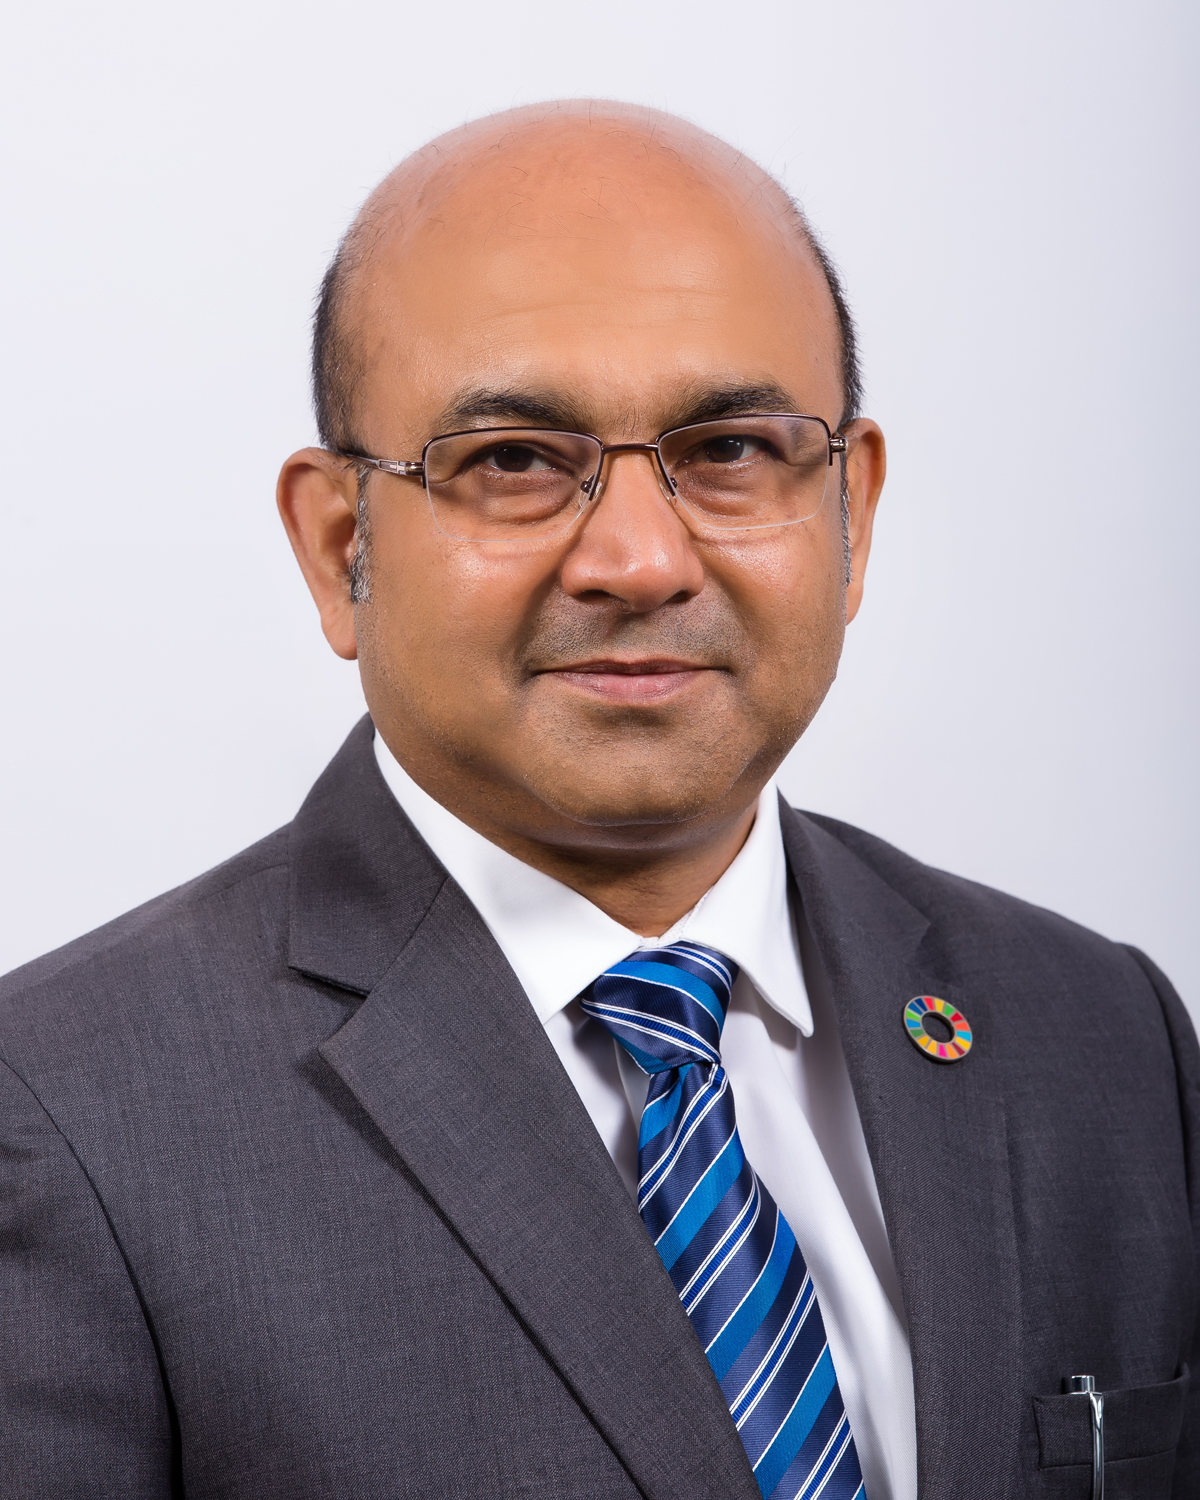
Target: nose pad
(594,487)
(665,483)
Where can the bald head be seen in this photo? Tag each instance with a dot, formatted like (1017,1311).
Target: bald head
(582,178)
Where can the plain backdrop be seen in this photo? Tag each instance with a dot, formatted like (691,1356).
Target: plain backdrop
(1009,191)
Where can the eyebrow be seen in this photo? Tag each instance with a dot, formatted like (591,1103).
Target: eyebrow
(533,408)
(732,401)
(515,407)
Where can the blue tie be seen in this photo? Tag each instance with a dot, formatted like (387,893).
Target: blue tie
(731,1254)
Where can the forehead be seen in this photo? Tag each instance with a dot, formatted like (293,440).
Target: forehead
(605,263)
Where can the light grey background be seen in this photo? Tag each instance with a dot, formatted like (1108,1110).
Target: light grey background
(1010,193)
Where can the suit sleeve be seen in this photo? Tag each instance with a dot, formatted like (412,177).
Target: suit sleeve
(1187,1072)
(83,1412)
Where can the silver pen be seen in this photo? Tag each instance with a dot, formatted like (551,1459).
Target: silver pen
(1085,1385)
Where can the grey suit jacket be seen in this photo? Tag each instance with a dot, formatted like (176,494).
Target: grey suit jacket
(296,1199)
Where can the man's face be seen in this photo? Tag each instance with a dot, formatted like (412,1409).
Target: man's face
(633,678)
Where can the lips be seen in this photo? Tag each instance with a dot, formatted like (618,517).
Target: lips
(646,680)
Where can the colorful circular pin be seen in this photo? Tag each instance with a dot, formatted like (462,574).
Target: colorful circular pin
(939,1029)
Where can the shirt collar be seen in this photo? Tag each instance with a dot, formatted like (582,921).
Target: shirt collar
(558,942)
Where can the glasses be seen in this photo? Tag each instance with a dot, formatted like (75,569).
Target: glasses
(506,484)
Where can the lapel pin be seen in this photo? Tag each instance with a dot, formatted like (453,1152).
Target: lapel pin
(937,1028)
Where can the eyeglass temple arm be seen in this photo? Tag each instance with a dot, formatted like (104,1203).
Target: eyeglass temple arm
(405,468)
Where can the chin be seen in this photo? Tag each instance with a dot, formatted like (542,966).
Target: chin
(618,795)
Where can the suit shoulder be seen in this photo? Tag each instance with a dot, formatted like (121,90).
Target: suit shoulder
(163,920)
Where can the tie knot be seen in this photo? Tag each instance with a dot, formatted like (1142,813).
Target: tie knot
(666,1006)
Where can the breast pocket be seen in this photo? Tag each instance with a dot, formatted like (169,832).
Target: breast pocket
(1141,1433)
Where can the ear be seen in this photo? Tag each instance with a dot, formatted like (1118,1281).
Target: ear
(317,497)
(866,466)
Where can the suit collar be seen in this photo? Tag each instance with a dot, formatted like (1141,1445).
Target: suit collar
(360,880)
(937,1137)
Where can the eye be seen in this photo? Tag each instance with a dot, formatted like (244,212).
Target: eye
(515,458)
(732,449)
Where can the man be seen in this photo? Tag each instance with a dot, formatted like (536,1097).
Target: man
(550,1110)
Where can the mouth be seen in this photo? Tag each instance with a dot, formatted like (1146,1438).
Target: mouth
(643,680)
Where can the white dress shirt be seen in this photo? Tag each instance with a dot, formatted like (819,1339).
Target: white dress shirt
(781,1051)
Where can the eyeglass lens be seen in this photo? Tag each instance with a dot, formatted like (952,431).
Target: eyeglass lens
(740,473)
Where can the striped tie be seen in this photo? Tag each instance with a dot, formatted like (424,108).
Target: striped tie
(730,1252)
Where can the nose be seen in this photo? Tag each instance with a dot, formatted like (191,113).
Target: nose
(633,545)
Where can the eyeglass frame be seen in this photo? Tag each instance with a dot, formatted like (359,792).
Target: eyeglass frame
(415,468)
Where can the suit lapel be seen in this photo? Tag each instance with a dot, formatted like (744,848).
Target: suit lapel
(937,1140)
(449,1059)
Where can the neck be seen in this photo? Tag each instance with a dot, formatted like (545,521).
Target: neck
(647,892)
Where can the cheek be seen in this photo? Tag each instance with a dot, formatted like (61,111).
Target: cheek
(789,590)
(443,613)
